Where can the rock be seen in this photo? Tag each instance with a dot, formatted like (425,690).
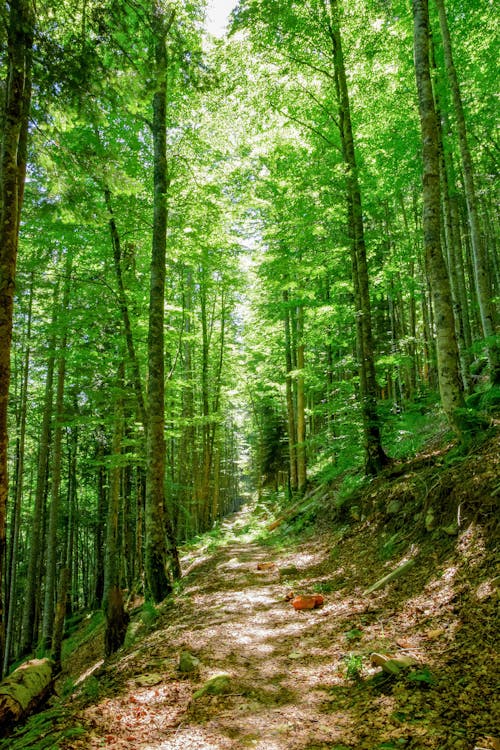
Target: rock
(393,666)
(148,680)
(219,684)
(188,663)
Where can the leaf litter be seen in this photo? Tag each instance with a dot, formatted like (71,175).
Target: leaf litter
(306,679)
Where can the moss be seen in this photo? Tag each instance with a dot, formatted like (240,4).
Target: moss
(220,684)
(27,682)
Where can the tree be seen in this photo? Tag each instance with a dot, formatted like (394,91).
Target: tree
(157,524)
(481,270)
(450,385)
(15,116)
(375,455)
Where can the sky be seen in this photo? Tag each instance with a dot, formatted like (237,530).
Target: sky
(218,12)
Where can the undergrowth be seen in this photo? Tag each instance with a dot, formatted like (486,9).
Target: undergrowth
(44,731)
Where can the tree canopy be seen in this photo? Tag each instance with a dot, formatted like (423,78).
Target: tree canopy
(251,261)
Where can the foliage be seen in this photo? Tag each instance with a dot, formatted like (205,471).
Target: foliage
(43,732)
(259,277)
(353,666)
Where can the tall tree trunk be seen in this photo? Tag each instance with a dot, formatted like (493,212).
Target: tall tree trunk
(99,529)
(451,239)
(123,305)
(301,411)
(13,557)
(481,271)
(35,554)
(116,617)
(375,455)
(158,581)
(12,178)
(290,402)
(52,546)
(450,386)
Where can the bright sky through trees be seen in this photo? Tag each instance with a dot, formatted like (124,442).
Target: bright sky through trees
(217,14)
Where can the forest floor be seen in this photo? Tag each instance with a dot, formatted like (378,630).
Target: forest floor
(304,680)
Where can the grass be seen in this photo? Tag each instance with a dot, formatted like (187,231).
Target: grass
(45,731)
(83,633)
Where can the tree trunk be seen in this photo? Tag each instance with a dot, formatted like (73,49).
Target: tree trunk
(123,305)
(60,614)
(481,271)
(35,554)
(116,617)
(290,403)
(17,99)
(451,241)
(301,415)
(375,455)
(23,691)
(159,584)
(13,557)
(450,386)
(52,546)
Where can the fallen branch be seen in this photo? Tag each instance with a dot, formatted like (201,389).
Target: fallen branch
(390,576)
(23,691)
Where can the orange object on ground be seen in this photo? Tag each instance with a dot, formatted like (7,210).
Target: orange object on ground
(307,602)
(266,565)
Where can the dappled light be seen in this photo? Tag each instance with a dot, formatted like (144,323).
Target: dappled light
(249,375)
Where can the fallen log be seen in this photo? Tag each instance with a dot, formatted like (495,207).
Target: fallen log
(399,571)
(23,691)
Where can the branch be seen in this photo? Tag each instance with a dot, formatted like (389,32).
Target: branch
(309,127)
(308,64)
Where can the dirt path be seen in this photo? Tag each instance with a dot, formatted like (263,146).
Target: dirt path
(290,676)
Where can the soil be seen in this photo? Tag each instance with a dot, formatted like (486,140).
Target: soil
(305,679)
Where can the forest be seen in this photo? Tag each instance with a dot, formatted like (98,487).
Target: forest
(250,269)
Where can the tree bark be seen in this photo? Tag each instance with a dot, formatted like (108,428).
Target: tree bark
(12,178)
(290,402)
(116,617)
(450,386)
(375,457)
(451,241)
(158,581)
(13,561)
(35,554)
(55,500)
(123,305)
(481,271)
(301,416)
(24,690)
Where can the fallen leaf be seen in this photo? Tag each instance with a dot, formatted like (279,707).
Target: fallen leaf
(403,643)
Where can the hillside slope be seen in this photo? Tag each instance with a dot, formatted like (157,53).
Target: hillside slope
(256,673)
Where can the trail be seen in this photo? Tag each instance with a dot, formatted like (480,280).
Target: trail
(289,684)
(234,618)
